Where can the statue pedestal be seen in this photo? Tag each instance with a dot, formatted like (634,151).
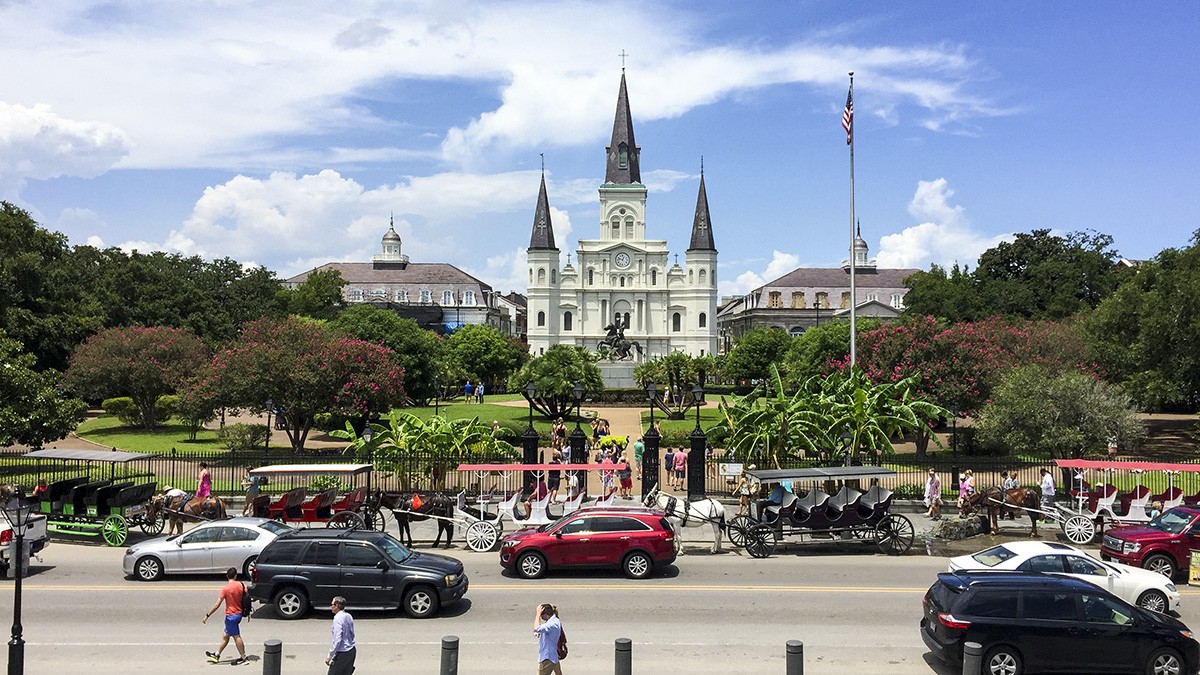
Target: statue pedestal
(617,374)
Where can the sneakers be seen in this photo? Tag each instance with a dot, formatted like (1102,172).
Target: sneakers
(213,657)
(239,661)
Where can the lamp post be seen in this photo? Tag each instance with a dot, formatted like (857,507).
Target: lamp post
(529,440)
(437,398)
(267,444)
(846,440)
(954,447)
(367,435)
(17,513)
(650,439)
(578,439)
(699,442)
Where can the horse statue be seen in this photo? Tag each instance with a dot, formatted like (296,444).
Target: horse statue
(418,506)
(181,509)
(615,342)
(995,500)
(682,513)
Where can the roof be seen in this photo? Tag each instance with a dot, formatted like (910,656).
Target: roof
(414,273)
(541,467)
(702,237)
(114,456)
(304,470)
(1125,466)
(962,579)
(543,229)
(817,277)
(622,134)
(826,473)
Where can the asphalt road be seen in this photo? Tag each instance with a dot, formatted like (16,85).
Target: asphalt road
(855,611)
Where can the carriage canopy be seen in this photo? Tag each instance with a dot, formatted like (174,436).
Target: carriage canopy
(819,473)
(79,455)
(1101,465)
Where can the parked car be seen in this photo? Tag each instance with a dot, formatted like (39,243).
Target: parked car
(372,570)
(208,548)
(636,540)
(33,540)
(1132,584)
(1033,622)
(1163,545)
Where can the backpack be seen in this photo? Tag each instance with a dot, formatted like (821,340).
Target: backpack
(247,603)
(562,644)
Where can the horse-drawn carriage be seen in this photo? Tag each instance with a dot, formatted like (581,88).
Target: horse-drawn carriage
(89,506)
(1095,506)
(850,514)
(349,510)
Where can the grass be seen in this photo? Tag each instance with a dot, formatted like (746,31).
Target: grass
(108,431)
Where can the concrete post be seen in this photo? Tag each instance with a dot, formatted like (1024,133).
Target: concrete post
(972,658)
(624,653)
(449,655)
(795,657)
(272,657)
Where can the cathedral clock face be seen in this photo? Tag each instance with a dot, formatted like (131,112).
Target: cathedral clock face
(621,260)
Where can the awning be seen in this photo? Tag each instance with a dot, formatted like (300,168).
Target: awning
(541,467)
(69,454)
(1100,465)
(824,473)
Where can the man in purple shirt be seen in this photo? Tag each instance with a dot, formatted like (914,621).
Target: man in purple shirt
(341,649)
(547,628)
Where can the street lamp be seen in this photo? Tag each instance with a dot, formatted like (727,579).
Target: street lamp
(698,400)
(652,394)
(531,391)
(846,440)
(367,435)
(437,398)
(578,392)
(17,513)
(267,445)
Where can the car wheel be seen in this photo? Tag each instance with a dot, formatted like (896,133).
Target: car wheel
(1164,662)
(248,567)
(1002,661)
(1153,600)
(421,602)
(291,603)
(638,565)
(1163,564)
(531,565)
(148,569)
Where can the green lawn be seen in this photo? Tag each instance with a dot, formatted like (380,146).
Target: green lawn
(108,431)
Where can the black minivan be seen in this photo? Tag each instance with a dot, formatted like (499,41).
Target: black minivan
(1030,622)
(372,570)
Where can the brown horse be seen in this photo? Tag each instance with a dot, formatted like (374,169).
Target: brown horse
(180,509)
(994,500)
(407,507)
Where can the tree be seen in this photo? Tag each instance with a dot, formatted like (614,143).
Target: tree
(141,363)
(820,350)
(305,368)
(484,353)
(32,410)
(755,352)
(555,374)
(952,296)
(318,297)
(418,351)
(1065,415)
(679,372)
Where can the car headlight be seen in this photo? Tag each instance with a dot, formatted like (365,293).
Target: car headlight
(1171,587)
(1131,547)
(451,579)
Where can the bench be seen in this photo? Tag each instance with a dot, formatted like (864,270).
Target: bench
(352,501)
(318,508)
(56,492)
(76,501)
(99,501)
(135,494)
(287,507)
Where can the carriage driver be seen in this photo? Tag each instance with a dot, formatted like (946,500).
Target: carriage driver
(173,499)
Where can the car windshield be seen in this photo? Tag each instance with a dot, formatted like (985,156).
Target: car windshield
(394,549)
(554,524)
(274,527)
(993,556)
(1171,522)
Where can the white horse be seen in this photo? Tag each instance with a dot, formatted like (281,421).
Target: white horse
(682,513)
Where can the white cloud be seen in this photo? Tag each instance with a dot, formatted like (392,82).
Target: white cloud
(944,235)
(781,263)
(37,143)
(95,242)
(505,271)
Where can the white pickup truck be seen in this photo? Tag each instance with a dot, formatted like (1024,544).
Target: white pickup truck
(36,538)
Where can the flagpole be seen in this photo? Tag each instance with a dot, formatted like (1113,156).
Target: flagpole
(853,262)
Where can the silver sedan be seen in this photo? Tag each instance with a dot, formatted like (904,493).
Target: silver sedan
(209,548)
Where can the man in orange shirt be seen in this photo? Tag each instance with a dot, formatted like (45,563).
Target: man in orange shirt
(231,595)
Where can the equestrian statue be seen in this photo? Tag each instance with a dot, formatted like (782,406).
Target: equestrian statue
(615,342)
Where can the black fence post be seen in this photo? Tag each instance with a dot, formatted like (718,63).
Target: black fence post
(529,455)
(577,440)
(449,655)
(624,654)
(795,657)
(272,657)
(650,473)
(696,464)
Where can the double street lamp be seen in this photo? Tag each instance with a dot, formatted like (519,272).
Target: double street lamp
(17,512)
(267,443)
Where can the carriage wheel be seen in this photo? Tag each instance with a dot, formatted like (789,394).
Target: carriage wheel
(115,530)
(739,530)
(894,534)
(375,518)
(346,520)
(154,526)
(1080,530)
(760,541)
(481,536)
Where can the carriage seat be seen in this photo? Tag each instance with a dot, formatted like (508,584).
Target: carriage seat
(57,492)
(1170,499)
(607,500)
(260,506)
(815,500)
(847,499)
(1134,503)
(773,511)
(1103,497)
(320,506)
(537,509)
(572,505)
(876,500)
(102,499)
(287,507)
(352,501)
(509,507)
(133,494)
(76,502)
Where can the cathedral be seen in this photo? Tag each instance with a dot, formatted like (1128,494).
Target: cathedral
(623,276)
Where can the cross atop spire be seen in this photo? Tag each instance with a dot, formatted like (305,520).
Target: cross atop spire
(543,228)
(623,54)
(623,152)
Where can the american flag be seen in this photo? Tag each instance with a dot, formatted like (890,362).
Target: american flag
(848,117)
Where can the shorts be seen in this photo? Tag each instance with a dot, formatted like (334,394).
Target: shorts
(552,483)
(626,482)
(679,473)
(546,666)
(232,624)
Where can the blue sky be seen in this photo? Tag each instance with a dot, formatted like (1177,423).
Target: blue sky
(285,133)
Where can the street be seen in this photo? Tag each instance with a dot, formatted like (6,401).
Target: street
(728,613)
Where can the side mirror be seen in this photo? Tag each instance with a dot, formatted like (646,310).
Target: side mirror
(558,534)
(381,565)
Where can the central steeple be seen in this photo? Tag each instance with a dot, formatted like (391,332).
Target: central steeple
(623,166)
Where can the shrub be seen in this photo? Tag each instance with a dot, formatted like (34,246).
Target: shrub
(124,409)
(242,437)
(322,483)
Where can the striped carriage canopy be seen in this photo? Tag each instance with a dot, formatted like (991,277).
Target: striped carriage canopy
(79,455)
(309,470)
(1100,465)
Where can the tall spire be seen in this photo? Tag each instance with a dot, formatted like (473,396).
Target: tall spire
(543,229)
(623,165)
(702,238)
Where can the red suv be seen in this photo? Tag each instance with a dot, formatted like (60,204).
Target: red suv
(634,539)
(1164,545)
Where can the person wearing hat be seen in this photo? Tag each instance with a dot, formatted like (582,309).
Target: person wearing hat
(745,487)
(933,495)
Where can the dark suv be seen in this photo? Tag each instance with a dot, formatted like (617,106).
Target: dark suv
(308,567)
(1043,623)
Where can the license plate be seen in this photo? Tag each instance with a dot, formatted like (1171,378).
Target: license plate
(135,510)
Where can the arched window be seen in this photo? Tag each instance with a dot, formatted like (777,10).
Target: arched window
(703,320)
(355,295)
(566,321)
(401,296)
(426,297)
(622,282)
(676,322)
(553,277)
(531,275)
(623,156)
(653,277)
(703,277)
(591,277)
(541,319)
(616,228)
(691,278)
(541,276)
(469,298)
(626,319)
(447,297)
(629,228)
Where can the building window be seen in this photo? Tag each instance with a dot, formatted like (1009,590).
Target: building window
(553,277)
(797,299)
(703,277)
(591,277)
(872,297)
(776,301)
(616,228)
(541,276)
(703,320)
(622,282)
(625,320)
(401,296)
(898,300)
(355,295)
(653,277)
(676,322)
(541,319)
(690,277)
(469,298)
(566,321)
(447,297)
(622,156)
(845,299)
(426,297)
(531,275)
(822,300)
(629,228)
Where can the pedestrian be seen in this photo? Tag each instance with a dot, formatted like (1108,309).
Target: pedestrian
(572,485)
(1047,493)
(547,628)
(1008,481)
(553,477)
(606,477)
(745,488)
(669,466)
(231,594)
(342,650)
(964,492)
(1112,449)
(625,475)
(204,491)
(479,392)
(933,495)
(467,390)
(710,456)
(251,485)
(1156,509)
(495,428)
(639,451)
(681,458)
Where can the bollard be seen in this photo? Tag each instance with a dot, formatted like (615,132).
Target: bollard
(272,657)
(624,656)
(449,655)
(795,657)
(972,658)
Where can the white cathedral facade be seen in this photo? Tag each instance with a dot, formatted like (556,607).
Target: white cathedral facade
(623,274)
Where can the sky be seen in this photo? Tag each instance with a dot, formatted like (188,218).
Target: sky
(287,134)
